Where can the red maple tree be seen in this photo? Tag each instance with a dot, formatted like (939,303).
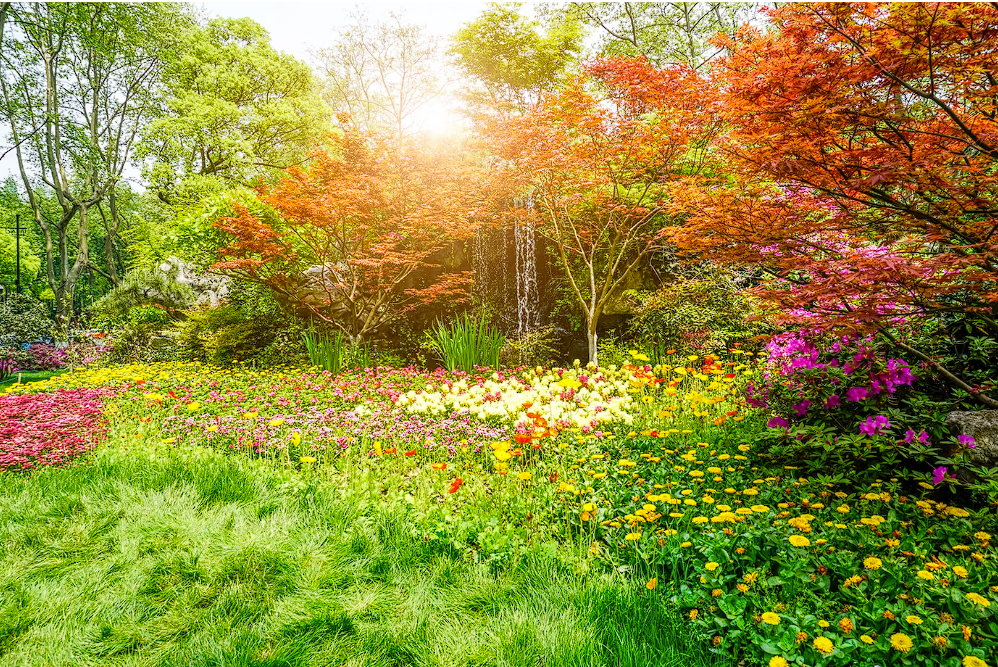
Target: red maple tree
(351,238)
(862,149)
(586,168)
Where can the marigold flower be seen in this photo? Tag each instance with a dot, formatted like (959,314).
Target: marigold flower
(960,571)
(799,541)
(866,639)
(823,645)
(872,563)
(711,566)
(778,661)
(652,583)
(978,599)
(846,625)
(632,537)
(901,642)
(914,620)
(770,618)
(925,574)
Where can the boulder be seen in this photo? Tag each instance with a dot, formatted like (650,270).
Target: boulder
(982,426)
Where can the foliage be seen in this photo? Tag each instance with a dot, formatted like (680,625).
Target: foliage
(43,357)
(349,234)
(325,350)
(227,334)
(513,60)
(383,75)
(468,343)
(237,110)
(705,313)
(586,169)
(666,33)
(862,151)
(78,83)
(532,348)
(23,318)
(149,296)
(9,361)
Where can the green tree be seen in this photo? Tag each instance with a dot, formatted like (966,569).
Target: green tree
(237,111)
(663,32)
(516,59)
(78,82)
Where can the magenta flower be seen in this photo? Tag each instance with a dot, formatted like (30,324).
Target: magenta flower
(856,394)
(874,425)
(910,437)
(833,401)
(939,474)
(801,408)
(778,422)
(967,440)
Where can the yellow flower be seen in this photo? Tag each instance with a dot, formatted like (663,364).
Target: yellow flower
(914,620)
(167,441)
(823,645)
(866,639)
(588,507)
(973,661)
(684,545)
(523,475)
(978,599)
(711,566)
(770,618)
(799,541)
(694,613)
(872,563)
(307,459)
(276,422)
(901,642)
(632,537)
(296,438)
(823,623)
(652,583)
(925,574)
(960,571)
(250,415)
(778,661)
(193,407)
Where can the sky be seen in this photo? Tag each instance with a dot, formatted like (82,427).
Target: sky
(294,27)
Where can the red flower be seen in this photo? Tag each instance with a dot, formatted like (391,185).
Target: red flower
(391,451)
(521,438)
(412,453)
(455,485)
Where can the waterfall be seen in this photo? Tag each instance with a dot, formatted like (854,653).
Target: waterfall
(527,310)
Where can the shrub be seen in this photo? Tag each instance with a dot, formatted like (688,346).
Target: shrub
(469,342)
(702,314)
(23,318)
(44,357)
(534,348)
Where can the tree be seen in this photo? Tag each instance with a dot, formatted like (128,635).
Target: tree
(864,142)
(351,238)
(664,32)
(237,111)
(590,167)
(512,58)
(383,75)
(78,83)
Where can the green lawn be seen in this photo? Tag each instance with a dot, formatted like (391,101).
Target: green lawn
(202,559)
(27,377)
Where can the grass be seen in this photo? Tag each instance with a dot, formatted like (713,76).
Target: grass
(195,558)
(30,376)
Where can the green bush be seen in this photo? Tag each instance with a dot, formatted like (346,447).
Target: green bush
(468,342)
(534,348)
(704,313)
(23,318)
(226,334)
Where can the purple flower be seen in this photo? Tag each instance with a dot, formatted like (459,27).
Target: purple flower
(910,437)
(801,408)
(874,425)
(778,422)
(967,440)
(938,475)
(856,394)
(833,401)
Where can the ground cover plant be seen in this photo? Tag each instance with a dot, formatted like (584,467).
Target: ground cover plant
(656,474)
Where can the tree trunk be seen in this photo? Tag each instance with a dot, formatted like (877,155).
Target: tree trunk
(591,339)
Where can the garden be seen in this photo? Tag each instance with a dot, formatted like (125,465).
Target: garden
(670,349)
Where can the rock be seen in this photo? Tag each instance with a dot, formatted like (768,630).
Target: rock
(209,289)
(982,426)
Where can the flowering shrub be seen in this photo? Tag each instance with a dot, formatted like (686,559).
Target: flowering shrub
(49,429)
(43,357)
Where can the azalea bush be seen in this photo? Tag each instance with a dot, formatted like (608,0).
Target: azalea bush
(49,428)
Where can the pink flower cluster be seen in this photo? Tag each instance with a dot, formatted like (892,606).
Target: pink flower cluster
(49,429)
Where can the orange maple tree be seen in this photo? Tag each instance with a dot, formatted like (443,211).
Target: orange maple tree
(586,167)
(862,150)
(352,237)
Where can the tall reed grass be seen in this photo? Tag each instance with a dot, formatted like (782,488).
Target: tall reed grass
(467,342)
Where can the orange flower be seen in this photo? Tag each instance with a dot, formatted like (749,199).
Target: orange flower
(439,466)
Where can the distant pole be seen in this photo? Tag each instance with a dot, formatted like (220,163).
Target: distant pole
(17,250)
